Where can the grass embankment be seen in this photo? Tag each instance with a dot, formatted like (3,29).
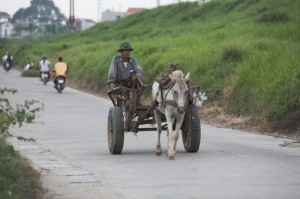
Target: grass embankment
(243,53)
(17,178)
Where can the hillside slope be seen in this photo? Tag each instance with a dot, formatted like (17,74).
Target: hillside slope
(243,53)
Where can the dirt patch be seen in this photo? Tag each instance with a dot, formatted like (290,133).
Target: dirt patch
(215,115)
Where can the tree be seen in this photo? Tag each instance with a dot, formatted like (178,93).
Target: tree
(22,113)
(41,13)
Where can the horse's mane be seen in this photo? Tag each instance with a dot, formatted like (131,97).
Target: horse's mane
(178,74)
(165,81)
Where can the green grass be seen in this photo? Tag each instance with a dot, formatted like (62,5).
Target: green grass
(17,179)
(247,47)
(270,87)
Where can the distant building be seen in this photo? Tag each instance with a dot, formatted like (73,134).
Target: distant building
(79,24)
(134,10)
(4,17)
(83,24)
(109,15)
(86,24)
(203,1)
(6,28)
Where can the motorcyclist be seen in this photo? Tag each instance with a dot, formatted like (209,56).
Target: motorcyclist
(123,68)
(60,70)
(44,66)
(7,58)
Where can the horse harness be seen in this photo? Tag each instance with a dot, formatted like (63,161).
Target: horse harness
(165,83)
(165,102)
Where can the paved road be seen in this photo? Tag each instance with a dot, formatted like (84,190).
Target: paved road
(72,155)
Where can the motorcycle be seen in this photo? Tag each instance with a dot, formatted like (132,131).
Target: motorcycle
(45,77)
(60,83)
(7,66)
(28,66)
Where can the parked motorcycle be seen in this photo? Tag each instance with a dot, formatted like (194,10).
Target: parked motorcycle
(45,77)
(6,66)
(60,83)
(28,66)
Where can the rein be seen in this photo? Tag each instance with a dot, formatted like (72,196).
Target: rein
(170,103)
(145,85)
(165,102)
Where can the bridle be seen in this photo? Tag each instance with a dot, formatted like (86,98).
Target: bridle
(173,102)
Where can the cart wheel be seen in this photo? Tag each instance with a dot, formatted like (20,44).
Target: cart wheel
(191,130)
(115,130)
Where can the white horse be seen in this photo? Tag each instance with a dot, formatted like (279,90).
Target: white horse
(172,103)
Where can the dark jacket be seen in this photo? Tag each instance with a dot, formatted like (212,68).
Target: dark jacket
(119,74)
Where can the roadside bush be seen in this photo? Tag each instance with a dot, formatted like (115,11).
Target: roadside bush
(10,116)
(30,73)
(274,17)
(18,179)
(232,54)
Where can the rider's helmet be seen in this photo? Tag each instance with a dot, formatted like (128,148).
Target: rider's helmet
(125,46)
(44,57)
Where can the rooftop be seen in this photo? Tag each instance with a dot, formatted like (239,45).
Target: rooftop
(4,15)
(134,10)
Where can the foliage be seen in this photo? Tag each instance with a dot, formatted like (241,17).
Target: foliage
(270,87)
(17,179)
(274,18)
(10,116)
(243,53)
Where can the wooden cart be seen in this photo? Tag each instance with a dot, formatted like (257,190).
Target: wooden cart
(126,116)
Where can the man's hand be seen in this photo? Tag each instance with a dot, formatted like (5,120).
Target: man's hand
(140,82)
(111,86)
(140,78)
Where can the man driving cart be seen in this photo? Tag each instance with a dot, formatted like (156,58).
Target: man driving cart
(123,69)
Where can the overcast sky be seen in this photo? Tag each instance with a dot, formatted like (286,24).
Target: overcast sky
(86,8)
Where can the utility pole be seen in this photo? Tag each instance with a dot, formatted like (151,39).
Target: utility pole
(99,10)
(158,3)
(72,15)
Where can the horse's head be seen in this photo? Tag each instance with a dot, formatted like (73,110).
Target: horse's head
(180,90)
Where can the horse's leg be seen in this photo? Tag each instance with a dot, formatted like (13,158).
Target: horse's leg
(171,152)
(177,130)
(158,124)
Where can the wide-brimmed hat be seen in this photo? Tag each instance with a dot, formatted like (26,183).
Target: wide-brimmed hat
(125,46)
